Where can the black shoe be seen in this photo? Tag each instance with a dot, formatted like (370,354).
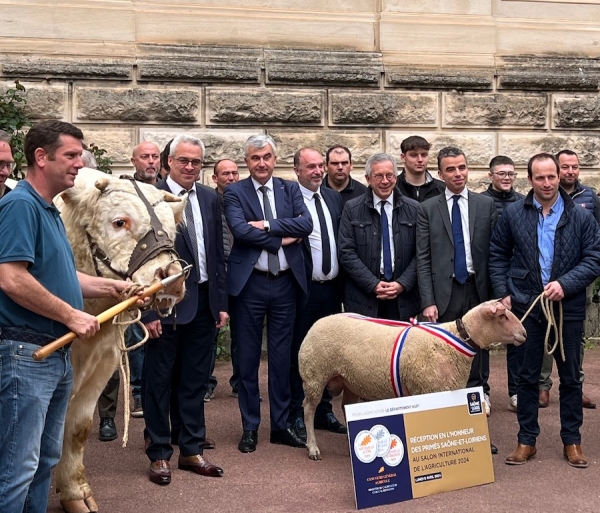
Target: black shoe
(287,437)
(108,430)
(300,428)
(248,441)
(494,448)
(331,423)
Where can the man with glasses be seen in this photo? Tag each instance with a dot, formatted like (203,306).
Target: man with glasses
(338,161)
(179,353)
(568,175)
(502,175)
(453,240)
(377,246)
(7,162)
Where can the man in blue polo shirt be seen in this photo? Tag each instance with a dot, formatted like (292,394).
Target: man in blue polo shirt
(41,298)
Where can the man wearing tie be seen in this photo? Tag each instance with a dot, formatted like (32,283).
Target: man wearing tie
(266,276)
(324,297)
(453,241)
(183,342)
(377,246)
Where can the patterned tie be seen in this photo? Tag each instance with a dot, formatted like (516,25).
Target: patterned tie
(325,242)
(191,227)
(460,256)
(273,258)
(385,240)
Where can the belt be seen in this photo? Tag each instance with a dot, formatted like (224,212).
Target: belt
(322,282)
(270,276)
(470,279)
(25,336)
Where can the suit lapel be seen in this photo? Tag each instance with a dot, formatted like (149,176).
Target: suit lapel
(253,198)
(472,211)
(443,206)
(206,220)
(279,196)
(330,206)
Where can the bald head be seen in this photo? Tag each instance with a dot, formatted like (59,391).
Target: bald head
(146,161)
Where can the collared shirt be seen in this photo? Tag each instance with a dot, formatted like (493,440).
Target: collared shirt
(546,230)
(389,211)
(315,239)
(198,224)
(262,264)
(463,204)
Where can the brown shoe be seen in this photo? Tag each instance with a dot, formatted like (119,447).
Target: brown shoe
(160,472)
(587,402)
(209,443)
(544,398)
(574,456)
(521,454)
(199,465)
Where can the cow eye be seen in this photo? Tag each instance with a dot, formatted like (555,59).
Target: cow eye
(119,223)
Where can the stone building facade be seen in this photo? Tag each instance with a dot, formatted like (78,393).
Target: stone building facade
(490,76)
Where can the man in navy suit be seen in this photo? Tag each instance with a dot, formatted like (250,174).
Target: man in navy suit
(266,276)
(182,343)
(324,297)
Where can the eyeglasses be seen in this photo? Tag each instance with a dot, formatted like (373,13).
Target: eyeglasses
(379,178)
(504,174)
(8,165)
(183,162)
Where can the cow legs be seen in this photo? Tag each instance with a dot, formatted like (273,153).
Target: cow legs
(71,481)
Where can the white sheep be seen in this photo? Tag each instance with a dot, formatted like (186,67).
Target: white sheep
(353,355)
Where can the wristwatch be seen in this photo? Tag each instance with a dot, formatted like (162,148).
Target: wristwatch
(266,225)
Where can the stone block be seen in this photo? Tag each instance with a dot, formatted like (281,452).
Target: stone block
(580,111)
(117,142)
(220,144)
(246,106)
(478,147)
(484,110)
(84,68)
(109,104)
(433,78)
(43,101)
(323,67)
(386,108)
(199,63)
(521,147)
(362,144)
(548,73)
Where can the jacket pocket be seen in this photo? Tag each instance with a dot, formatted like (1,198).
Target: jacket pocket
(362,232)
(518,285)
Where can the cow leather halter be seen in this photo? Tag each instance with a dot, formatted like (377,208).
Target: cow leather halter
(155,241)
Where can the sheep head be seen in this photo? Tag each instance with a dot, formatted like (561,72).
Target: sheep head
(491,322)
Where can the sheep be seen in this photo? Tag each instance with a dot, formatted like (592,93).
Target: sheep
(352,354)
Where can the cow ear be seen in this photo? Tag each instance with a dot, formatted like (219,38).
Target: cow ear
(102,184)
(65,197)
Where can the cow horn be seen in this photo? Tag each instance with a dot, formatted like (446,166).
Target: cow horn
(171,198)
(102,184)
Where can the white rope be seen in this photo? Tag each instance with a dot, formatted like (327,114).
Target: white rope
(547,307)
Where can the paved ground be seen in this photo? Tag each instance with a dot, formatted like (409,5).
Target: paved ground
(280,479)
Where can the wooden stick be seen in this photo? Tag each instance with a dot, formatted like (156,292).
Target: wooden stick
(48,349)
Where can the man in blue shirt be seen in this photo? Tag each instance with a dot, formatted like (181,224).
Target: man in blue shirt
(41,298)
(524,264)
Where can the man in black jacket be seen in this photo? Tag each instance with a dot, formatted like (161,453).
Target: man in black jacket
(415,181)
(377,246)
(524,264)
(502,175)
(338,160)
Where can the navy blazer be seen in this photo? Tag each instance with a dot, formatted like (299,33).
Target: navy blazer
(293,220)
(215,259)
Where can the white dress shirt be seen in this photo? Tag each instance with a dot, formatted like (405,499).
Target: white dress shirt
(463,204)
(389,211)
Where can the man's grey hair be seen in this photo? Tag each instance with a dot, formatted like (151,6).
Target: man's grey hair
(88,159)
(5,137)
(188,139)
(259,141)
(380,157)
(449,151)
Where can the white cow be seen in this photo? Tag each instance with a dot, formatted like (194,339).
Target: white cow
(110,228)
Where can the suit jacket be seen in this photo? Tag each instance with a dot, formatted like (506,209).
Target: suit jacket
(435,248)
(215,260)
(293,220)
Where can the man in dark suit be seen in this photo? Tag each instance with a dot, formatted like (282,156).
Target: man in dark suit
(453,242)
(266,275)
(377,246)
(182,343)
(324,297)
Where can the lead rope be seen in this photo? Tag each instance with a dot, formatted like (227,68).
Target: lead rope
(547,308)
